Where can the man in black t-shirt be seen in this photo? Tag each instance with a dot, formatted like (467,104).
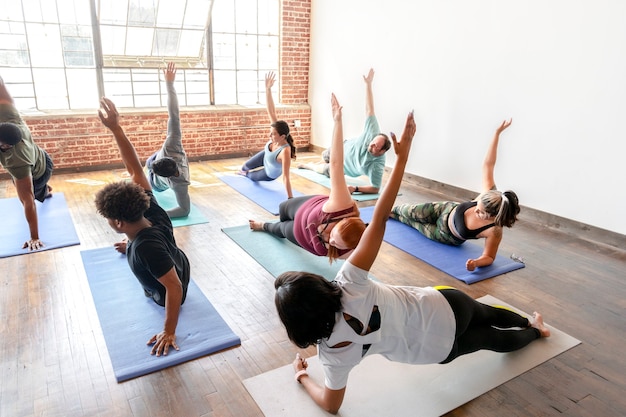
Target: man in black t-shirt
(130,208)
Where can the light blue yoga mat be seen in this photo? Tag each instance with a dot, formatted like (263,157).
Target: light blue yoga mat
(129,319)
(167,200)
(278,255)
(447,258)
(325,181)
(56,228)
(267,194)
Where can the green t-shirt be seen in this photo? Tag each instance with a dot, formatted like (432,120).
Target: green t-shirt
(25,157)
(358,161)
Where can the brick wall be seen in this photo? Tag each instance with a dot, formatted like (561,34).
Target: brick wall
(80,142)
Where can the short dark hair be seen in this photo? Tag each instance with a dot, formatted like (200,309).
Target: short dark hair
(10,133)
(306,304)
(165,167)
(387,144)
(122,200)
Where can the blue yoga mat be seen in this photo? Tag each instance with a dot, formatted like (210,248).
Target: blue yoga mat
(267,194)
(278,255)
(325,181)
(128,319)
(56,228)
(447,258)
(167,200)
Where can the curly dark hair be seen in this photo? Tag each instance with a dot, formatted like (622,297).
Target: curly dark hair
(306,304)
(165,167)
(10,133)
(122,200)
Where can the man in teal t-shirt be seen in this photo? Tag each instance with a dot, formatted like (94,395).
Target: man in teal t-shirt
(30,166)
(365,154)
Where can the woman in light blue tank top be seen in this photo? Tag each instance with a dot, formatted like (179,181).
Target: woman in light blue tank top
(275,157)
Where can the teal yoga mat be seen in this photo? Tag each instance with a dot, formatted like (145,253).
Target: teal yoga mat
(267,194)
(447,258)
(56,228)
(325,181)
(280,255)
(167,200)
(128,319)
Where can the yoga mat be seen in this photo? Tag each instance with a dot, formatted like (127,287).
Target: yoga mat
(56,228)
(128,319)
(325,181)
(378,387)
(447,258)
(267,194)
(278,255)
(167,200)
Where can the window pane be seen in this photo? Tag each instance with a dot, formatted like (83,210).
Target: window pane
(45,45)
(197,13)
(170,13)
(246,52)
(40,10)
(269,14)
(225,87)
(113,11)
(246,16)
(139,41)
(82,88)
(223,17)
(142,13)
(247,86)
(268,53)
(74,11)
(166,42)
(224,52)
(11,10)
(50,88)
(192,44)
(113,40)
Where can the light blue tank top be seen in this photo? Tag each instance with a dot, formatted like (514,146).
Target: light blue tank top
(273,167)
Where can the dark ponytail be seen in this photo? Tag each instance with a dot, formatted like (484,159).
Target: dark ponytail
(282,128)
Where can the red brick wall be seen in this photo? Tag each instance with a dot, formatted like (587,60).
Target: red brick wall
(81,142)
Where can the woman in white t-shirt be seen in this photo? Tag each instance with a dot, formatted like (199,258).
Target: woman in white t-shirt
(354,316)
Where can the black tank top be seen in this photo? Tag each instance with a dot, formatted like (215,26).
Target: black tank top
(459,221)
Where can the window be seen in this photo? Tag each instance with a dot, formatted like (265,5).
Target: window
(53,58)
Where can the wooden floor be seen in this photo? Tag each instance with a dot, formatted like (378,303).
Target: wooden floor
(54,360)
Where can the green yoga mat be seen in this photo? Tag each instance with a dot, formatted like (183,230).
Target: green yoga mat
(280,255)
(325,181)
(167,200)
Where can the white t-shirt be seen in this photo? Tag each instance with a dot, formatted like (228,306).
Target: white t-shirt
(417,325)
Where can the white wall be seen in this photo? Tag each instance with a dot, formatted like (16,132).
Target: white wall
(558,68)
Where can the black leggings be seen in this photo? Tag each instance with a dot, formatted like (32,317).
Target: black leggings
(287,213)
(480,326)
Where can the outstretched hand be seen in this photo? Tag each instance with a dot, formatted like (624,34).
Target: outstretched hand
(111,120)
(270,78)
(369,77)
(403,147)
(504,125)
(33,244)
(170,72)
(336,107)
(162,343)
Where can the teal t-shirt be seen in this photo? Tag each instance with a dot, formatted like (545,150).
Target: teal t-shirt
(358,161)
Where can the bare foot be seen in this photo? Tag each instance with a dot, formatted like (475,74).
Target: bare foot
(254,225)
(537,323)
(302,166)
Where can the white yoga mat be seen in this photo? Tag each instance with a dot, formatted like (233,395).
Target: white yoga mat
(378,387)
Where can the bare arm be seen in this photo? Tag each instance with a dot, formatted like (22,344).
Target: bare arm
(5,97)
(173,298)
(328,399)
(270,78)
(490,158)
(366,251)
(339,198)
(369,96)
(183,200)
(492,242)
(127,151)
(26,195)
(285,156)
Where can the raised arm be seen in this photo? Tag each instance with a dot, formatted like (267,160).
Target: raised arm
(369,96)
(490,158)
(173,141)
(340,197)
(110,118)
(366,251)
(5,97)
(270,78)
